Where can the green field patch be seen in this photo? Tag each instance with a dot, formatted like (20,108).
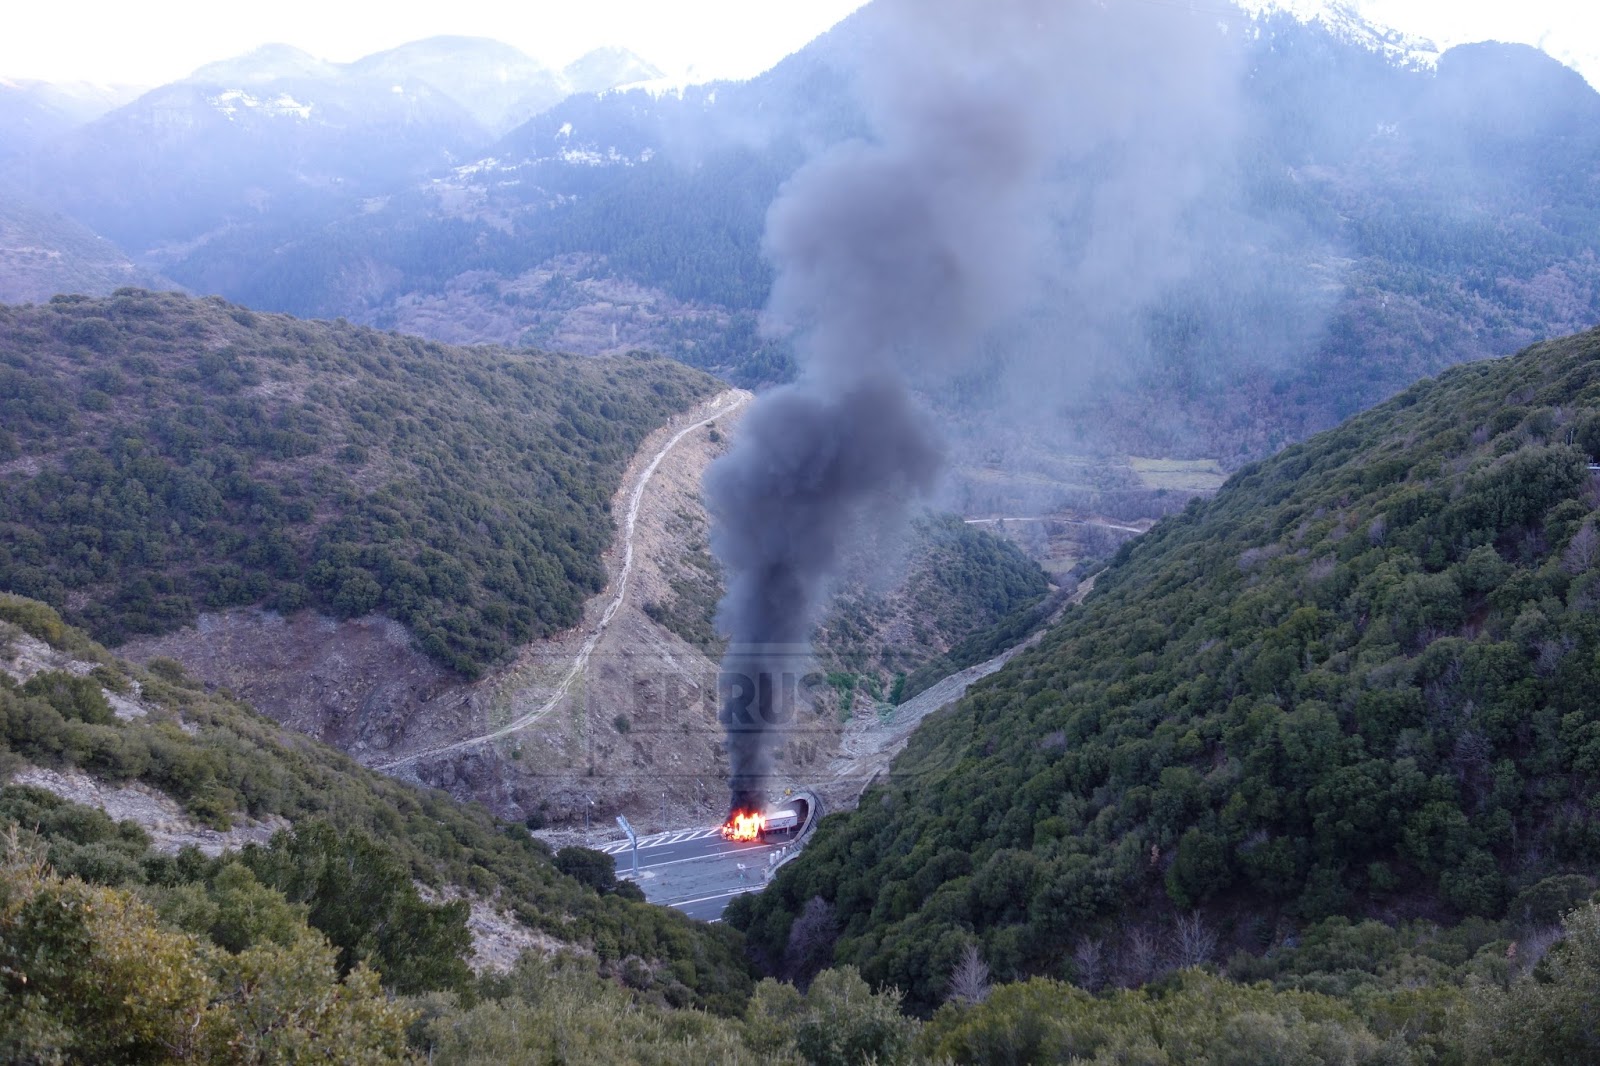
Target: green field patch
(1187,475)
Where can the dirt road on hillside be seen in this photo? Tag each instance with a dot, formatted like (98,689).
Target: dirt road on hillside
(721,406)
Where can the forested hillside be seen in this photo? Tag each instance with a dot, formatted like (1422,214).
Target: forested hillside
(355,843)
(326,942)
(955,582)
(1356,683)
(880,645)
(161,455)
(320,943)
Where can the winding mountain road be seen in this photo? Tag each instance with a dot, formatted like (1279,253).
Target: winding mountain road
(722,406)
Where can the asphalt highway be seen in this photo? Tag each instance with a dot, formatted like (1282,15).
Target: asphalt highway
(693,870)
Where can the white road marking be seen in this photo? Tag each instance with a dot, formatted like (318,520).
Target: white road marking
(671,836)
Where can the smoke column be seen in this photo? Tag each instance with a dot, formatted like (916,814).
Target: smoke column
(885,250)
(893,257)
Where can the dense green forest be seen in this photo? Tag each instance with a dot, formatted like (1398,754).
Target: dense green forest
(987,641)
(1355,684)
(204,961)
(162,455)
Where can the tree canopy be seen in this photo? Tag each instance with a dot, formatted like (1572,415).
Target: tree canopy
(1356,682)
(163,455)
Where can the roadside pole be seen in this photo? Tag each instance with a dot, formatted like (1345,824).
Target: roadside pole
(633,838)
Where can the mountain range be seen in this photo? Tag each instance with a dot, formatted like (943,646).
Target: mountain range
(276,134)
(32,112)
(1413,210)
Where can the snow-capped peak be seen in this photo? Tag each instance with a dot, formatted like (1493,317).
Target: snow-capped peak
(1346,22)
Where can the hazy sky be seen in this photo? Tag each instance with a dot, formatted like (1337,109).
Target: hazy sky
(161,40)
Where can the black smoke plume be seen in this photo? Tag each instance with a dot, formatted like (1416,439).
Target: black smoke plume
(810,465)
(889,253)
(1005,133)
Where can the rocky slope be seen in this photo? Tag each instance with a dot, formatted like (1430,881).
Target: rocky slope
(131,775)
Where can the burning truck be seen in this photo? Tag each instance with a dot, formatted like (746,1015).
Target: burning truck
(777,825)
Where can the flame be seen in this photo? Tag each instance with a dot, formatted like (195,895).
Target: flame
(744,825)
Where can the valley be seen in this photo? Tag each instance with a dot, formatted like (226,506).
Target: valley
(1021,533)
(612,716)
